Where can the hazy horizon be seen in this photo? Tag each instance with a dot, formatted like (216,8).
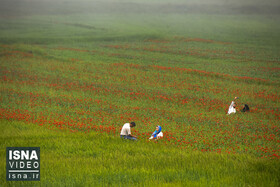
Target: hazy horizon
(59,7)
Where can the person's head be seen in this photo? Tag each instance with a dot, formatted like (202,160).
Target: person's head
(158,128)
(132,124)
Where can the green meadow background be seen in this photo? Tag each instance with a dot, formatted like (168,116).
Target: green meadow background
(73,72)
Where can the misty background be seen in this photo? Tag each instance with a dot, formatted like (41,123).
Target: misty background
(55,21)
(10,8)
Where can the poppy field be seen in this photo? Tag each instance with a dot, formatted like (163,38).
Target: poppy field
(189,104)
(90,73)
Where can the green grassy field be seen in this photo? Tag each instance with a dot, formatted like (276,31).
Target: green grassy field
(92,159)
(72,73)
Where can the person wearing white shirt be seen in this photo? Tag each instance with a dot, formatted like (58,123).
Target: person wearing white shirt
(157,134)
(126,131)
(232,107)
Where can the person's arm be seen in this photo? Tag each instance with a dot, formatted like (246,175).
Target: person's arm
(132,135)
(129,133)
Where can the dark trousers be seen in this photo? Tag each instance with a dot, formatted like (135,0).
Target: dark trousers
(128,137)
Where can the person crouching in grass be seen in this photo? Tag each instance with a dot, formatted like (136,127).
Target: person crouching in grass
(232,107)
(157,134)
(126,131)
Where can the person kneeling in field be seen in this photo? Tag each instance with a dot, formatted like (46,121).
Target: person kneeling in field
(232,107)
(126,132)
(245,108)
(157,134)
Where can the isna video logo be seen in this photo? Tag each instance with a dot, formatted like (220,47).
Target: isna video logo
(23,163)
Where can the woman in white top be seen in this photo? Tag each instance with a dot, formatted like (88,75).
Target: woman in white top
(232,107)
(157,134)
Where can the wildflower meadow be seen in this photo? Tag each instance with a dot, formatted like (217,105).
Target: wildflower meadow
(71,75)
